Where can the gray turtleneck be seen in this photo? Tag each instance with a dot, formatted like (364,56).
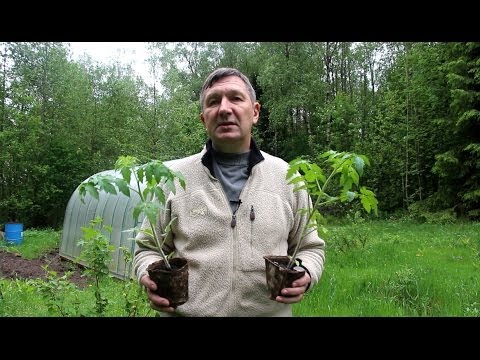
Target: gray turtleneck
(231,171)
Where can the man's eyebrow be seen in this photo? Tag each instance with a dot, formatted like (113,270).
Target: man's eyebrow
(216,92)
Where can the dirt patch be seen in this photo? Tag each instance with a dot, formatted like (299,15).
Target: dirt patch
(13,266)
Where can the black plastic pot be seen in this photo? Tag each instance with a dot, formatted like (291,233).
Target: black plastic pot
(171,284)
(278,275)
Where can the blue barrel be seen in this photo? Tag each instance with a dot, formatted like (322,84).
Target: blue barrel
(14,233)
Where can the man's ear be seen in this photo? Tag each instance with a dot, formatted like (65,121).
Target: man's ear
(256,112)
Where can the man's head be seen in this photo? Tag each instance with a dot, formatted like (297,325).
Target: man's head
(221,73)
(229,110)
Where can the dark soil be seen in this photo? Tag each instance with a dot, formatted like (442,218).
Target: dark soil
(13,266)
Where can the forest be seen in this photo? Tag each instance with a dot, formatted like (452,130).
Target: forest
(413,108)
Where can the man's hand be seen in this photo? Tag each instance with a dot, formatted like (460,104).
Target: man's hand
(295,293)
(156,302)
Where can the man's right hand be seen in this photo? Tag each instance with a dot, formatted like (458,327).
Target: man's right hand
(156,302)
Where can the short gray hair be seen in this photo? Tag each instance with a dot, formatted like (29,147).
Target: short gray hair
(221,73)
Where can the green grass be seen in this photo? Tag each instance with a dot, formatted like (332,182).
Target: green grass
(24,297)
(35,243)
(402,270)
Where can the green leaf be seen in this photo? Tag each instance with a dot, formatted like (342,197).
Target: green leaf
(82,192)
(345,181)
(160,171)
(304,166)
(366,204)
(126,174)
(310,176)
(123,186)
(303,186)
(296,180)
(92,190)
(365,159)
(136,212)
(146,192)
(140,174)
(151,211)
(170,185)
(319,176)
(149,173)
(347,196)
(368,199)
(290,173)
(160,195)
(353,175)
(366,192)
(106,186)
(359,164)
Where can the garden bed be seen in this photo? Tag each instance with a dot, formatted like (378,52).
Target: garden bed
(13,266)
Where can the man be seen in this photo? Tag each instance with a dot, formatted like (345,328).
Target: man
(236,208)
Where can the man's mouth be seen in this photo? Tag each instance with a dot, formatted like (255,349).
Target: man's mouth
(227,123)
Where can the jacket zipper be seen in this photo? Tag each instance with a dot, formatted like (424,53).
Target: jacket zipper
(233,223)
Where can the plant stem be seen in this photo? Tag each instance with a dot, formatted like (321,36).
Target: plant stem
(310,215)
(152,226)
(159,246)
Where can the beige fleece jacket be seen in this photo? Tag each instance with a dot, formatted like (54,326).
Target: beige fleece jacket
(226,265)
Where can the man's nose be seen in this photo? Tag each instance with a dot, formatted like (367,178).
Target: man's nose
(225,106)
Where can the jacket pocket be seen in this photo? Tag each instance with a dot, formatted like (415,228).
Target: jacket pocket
(264,233)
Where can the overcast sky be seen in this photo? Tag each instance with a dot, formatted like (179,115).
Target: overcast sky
(106,52)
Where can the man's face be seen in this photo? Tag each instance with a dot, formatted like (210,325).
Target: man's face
(229,114)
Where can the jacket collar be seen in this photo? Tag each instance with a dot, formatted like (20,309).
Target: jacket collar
(253,159)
